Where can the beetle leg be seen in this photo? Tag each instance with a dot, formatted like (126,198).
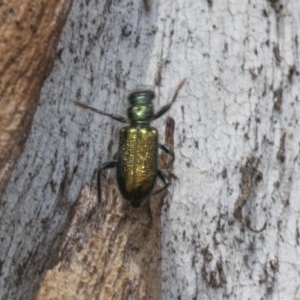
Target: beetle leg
(165,179)
(166,107)
(169,151)
(115,156)
(104,166)
(98,111)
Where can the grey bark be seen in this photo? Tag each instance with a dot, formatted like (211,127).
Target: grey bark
(231,227)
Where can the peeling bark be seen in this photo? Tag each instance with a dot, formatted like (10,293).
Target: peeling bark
(29,32)
(111,250)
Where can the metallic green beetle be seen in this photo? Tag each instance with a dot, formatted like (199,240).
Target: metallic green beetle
(137,158)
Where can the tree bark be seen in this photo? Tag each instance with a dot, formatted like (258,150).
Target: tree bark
(111,250)
(230,224)
(29,32)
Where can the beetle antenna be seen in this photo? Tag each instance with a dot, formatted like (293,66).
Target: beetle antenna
(98,111)
(166,107)
(178,88)
(86,106)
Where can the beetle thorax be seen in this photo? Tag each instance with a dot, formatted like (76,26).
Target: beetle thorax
(140,111)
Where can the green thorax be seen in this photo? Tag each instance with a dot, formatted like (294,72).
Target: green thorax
(140,111)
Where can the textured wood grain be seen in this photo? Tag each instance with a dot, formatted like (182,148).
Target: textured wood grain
(29,32)
(237,142)
(111,250)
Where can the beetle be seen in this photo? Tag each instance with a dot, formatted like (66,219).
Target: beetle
(137,157)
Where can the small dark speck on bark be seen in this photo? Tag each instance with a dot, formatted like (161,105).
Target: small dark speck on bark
(276,52)
(250,177)
(281,151)
(291,73)
(278,99)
